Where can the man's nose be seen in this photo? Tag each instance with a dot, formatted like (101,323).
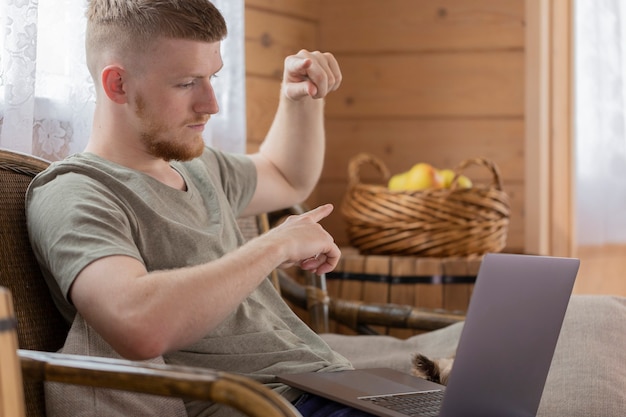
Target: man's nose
(207,101)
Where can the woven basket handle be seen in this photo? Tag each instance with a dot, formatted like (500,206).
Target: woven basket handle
(497,181)
(357,161)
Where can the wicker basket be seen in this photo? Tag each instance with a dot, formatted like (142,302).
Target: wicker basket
(434,222)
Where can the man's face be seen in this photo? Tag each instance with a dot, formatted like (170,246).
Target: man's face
(174,98)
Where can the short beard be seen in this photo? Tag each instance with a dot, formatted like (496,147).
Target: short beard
(168,150)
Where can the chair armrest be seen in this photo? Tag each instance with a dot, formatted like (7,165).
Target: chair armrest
(241,393)
(359,315)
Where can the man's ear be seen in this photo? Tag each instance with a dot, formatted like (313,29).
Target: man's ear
(113,84)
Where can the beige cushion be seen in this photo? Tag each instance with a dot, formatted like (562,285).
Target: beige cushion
(63,400)
(588,372)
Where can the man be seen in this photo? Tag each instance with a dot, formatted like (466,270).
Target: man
(137,235)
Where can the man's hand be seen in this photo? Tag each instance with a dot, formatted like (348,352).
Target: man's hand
(313,74)
(306,243)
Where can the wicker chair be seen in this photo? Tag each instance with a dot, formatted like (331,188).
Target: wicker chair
(41,330)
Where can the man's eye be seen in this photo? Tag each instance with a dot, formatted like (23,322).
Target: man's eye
(188,85)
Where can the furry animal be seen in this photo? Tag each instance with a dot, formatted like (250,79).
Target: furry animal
(436,370)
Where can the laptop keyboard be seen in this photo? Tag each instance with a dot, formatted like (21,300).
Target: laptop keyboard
(415,404)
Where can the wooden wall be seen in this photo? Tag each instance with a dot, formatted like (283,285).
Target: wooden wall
(274,29)
(436,80)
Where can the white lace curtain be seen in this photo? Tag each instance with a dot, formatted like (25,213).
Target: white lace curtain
(47,96)
(600,121)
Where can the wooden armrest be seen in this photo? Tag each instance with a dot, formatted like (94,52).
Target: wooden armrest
(243,394)
(358,315)
(355,314)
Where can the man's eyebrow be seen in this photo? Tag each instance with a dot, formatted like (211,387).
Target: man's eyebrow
(210,75)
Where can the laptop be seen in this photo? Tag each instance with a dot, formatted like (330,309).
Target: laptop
(503,356)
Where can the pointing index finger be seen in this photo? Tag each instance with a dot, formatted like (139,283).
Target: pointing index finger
(318,213)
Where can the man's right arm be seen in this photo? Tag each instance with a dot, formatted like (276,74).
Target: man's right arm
(144,314)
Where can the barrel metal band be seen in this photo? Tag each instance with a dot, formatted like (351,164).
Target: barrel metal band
(408,279)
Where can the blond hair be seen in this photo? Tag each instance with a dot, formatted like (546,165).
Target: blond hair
(129,26)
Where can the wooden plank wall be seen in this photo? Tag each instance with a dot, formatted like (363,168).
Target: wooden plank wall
(274,29)
(436,80)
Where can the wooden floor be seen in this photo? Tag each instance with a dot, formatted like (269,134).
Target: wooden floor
(602,270)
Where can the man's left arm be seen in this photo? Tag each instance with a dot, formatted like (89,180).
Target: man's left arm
(290,159)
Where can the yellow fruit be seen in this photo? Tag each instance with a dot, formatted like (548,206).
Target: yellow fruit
(464,182)
(447,176)
(423,176)
(398,182)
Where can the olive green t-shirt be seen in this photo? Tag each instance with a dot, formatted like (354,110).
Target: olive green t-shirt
(84,208)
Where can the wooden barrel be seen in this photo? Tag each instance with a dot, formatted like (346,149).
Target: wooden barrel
(437,283)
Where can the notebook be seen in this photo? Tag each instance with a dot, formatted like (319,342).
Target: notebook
(503,356)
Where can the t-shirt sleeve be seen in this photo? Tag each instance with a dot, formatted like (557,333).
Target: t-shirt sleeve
(69,230)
